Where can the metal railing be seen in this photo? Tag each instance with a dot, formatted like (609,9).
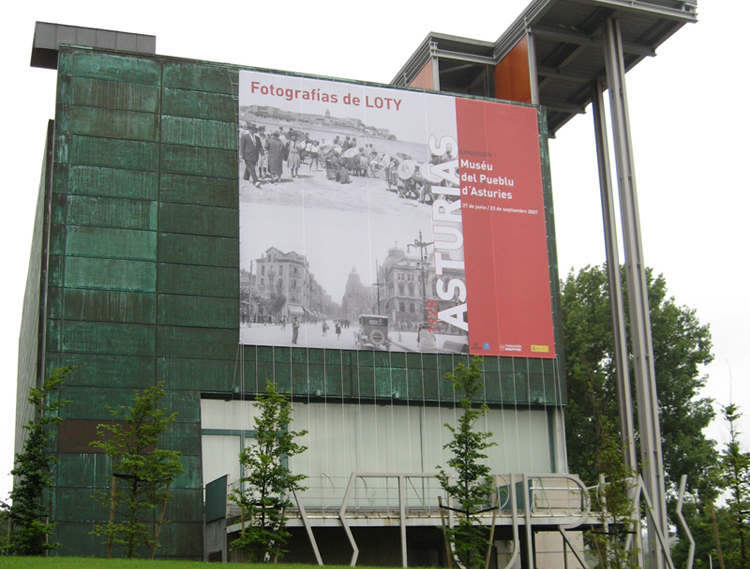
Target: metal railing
(556,501)
(367,498)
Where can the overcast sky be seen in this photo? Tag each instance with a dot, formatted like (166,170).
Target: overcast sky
(690,144)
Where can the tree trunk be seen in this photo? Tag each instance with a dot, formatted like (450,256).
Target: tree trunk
(160,522)
(716,535)
(110,536)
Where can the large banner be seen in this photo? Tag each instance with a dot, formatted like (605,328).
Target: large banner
(381,219)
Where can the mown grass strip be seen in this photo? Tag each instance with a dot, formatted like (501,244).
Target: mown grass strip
(96,563)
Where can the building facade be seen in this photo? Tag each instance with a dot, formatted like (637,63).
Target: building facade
(139,284)
(135,278)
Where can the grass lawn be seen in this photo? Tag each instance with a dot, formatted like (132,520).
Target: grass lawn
(95,563)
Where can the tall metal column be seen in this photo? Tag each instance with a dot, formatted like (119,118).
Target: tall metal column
(435,62)
(616,301)
(530,43)
(615,285)
(640,322)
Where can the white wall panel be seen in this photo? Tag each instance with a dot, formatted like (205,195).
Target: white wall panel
(220,458)
(346,437)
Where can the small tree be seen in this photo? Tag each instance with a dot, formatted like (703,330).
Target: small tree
(31,530)
(735,477)
(145,471)
(268,482)
(472,486)
(615,504)
(4,526)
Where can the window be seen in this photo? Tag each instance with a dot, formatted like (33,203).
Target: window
(262,269)
(281,269)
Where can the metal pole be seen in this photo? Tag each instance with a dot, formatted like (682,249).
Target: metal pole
(533,76)
(308,528)
(435,66)
(640,323)
(422,262)
(402,519)
(527,520)
(683,523)
(613,273)
(616,300)
(514,516)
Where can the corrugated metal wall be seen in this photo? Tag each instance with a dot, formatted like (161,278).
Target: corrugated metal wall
(144,278)
(30,337)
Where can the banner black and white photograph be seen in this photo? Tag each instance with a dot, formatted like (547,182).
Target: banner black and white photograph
(339,189)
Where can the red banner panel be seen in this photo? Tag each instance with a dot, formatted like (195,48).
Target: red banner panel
(504,230)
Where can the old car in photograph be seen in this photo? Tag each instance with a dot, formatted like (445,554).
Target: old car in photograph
(373,331)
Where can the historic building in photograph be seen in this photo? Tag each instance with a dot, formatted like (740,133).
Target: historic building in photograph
(286,287)
(407,284)
(401,278)
(357,299)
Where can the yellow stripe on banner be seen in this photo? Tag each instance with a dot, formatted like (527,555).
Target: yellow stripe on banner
(541,349)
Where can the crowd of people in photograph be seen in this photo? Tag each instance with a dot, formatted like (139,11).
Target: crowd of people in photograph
(264,154)
(342,158)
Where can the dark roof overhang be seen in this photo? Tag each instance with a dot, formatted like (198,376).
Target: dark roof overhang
(49,37)
(567,46)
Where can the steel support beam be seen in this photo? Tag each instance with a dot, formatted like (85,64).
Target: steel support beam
(345,524)
(685,15)
(640,321)
(555,105)
(616,300)
(589,41)
(563,74)
(527,520)
(308,528)
(463,67)
(468,57)
(514,513)
(683,523)
(533,77)
(435,62)
(402,519)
